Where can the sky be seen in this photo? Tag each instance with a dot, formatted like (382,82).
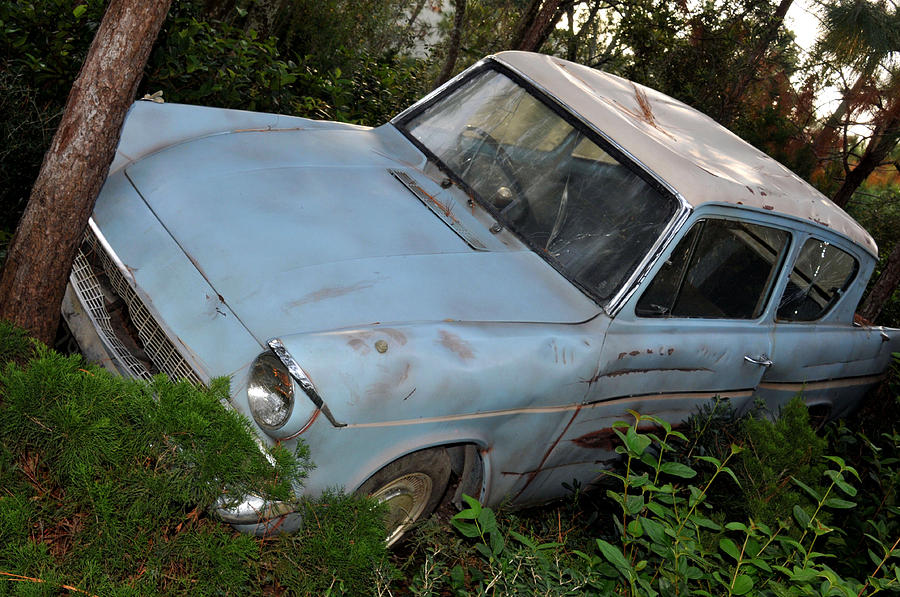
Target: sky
(803,20)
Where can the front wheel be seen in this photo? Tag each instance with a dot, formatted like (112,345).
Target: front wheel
(411,488)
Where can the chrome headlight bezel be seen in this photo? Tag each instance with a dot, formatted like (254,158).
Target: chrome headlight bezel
(270,392)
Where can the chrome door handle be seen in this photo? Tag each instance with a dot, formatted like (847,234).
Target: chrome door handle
(761,360)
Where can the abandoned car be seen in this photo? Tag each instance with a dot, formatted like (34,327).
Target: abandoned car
(477,289)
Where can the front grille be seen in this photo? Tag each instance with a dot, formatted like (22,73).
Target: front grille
(94,267)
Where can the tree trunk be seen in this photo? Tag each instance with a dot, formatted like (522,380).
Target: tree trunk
(734,95)
(455,38)
(528,16)
(414,14)
(825,136)
(877,151)
(42,251)
(538,22)
(884,287)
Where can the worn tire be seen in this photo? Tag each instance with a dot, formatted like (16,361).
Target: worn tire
(412,486)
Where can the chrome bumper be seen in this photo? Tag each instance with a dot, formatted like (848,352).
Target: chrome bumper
(258,517)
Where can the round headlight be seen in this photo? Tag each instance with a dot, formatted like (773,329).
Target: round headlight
(270,391)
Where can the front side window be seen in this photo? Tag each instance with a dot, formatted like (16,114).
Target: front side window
(588,213)
(721,269)
(818,279)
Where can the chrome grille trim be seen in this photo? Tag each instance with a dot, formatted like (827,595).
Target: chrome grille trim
(89,291)
(154,341)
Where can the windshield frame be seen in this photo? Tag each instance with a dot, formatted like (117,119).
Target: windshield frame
(629,284)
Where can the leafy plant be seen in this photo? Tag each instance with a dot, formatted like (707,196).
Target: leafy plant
(666,542)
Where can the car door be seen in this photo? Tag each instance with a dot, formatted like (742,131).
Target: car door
(699,327)
(818,351)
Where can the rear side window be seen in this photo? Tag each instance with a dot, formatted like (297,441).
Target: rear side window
(819,278)
(722,269)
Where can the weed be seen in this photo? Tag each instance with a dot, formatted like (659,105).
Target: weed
(666,542)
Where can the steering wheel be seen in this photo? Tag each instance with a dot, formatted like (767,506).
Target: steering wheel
(518,207)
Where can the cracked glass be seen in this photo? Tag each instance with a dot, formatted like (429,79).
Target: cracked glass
(587,212)
(817,281)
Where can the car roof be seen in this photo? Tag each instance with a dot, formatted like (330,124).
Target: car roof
(696,156)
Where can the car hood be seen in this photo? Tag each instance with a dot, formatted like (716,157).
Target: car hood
(308,230)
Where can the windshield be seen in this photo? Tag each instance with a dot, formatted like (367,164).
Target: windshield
(571,201)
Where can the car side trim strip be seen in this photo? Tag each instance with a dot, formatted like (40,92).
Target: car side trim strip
(554,409)
(828,384)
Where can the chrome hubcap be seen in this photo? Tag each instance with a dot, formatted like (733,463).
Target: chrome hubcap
(406,498)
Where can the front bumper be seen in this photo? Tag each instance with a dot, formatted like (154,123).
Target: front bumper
(114,329)
(256,516)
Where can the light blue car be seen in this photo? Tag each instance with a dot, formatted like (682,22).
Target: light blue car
(465,299)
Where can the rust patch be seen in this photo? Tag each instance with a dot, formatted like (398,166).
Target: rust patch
(396,335)
(387,387)
(593,379)
(751,190)
(457,345)
(670,351)
(606,439)
(769,207)
(359,345)
(405,375)
(649,351)
(621,372)
(621,356)
(635,353)
(602,439)
(330,293)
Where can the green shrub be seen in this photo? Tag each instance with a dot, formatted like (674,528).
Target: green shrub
(216,64)
(340,549)
(104,476)
(777,452)
(106,485)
